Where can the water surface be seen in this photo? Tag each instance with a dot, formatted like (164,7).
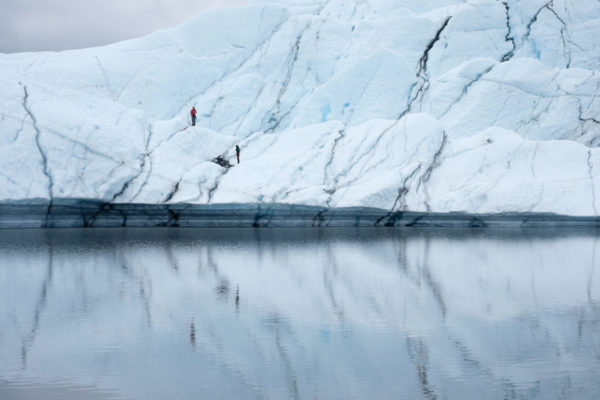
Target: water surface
(299,313)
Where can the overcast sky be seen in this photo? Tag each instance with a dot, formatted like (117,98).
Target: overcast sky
(34,25)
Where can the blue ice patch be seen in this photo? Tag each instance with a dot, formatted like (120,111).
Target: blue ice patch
(325,110)
(535,49)
(346,105)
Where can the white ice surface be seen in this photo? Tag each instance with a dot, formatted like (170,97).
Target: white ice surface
(439,105)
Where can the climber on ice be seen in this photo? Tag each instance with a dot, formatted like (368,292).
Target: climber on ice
(193,114)
(237,153)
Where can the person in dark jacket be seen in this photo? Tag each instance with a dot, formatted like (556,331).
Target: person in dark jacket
(193,114)
(237,152)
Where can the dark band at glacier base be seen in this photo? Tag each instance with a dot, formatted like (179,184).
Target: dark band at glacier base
(70,213)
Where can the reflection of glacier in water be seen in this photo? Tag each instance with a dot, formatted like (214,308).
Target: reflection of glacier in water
(293,313)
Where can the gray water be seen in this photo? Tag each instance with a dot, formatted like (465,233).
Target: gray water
(299,314)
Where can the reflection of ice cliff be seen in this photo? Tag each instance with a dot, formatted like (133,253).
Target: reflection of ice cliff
(445,105)
(517,316)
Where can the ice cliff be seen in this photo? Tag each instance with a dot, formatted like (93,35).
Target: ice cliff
(478,106)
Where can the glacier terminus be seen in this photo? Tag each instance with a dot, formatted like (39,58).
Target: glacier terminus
(481,107)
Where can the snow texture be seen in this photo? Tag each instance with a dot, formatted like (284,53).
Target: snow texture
(480,106)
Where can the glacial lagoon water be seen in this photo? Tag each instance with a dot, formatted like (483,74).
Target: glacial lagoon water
(299,314)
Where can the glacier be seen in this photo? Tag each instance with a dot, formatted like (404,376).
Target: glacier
(430,107)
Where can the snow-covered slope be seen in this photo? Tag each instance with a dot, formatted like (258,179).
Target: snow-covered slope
(437,105)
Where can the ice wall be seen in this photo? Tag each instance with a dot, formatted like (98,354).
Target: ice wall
(478,106)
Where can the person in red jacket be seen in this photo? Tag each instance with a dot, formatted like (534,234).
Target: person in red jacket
(193,114)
